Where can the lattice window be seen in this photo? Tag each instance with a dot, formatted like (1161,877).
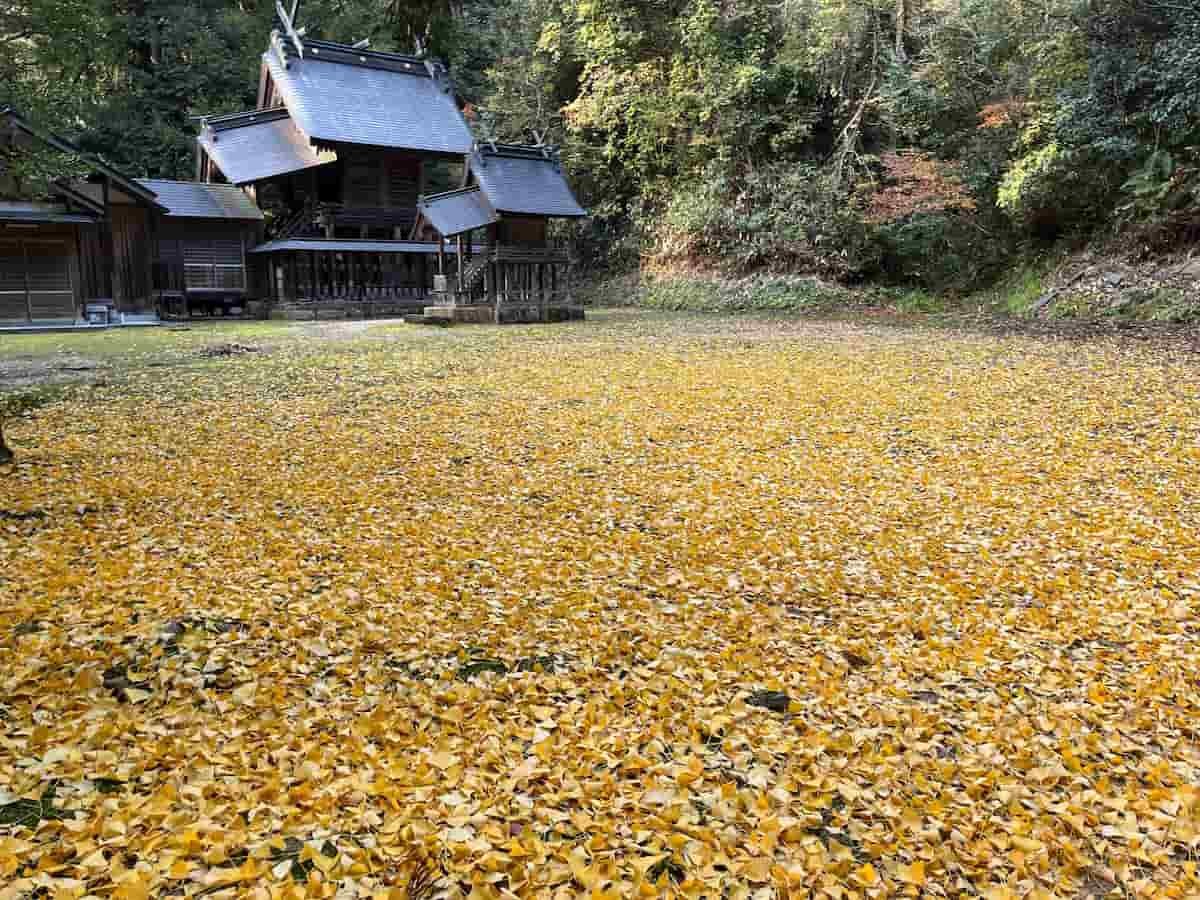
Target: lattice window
(213,265)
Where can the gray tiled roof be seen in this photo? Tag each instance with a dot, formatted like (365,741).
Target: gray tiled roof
(347,246)
(522,181)
(336,102)
(454,212)
(254,146)
(193,200)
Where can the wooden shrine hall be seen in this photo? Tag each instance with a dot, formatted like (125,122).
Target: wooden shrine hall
(364,165)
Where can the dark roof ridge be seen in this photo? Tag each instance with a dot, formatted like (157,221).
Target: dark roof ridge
(469,189)
(207,184)
(226,121)
(348,55)
(363,51)
(495,148)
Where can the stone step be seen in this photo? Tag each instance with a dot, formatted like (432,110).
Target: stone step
(509,313)
(428,320)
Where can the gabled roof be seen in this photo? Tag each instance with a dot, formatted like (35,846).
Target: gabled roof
(454,212)
(138,192)
(193,200)
(252,146)
(341,94)
(87,196)
(521,180)
(348,246)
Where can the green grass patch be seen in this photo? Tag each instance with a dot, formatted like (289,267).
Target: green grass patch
(1016,292)
(124,343)
(760,293)
(919,302)
(1156,305)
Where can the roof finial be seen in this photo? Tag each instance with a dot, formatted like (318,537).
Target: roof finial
(288,19)
(420,42)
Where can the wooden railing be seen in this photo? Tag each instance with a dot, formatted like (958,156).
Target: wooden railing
(319,219)
(348,275)
(531,253)
(372,217)
(301,221)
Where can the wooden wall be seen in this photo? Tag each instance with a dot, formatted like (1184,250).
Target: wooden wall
(38,251)
(95,263)
(132,254)
(522,230)
(380,178)
(182,240)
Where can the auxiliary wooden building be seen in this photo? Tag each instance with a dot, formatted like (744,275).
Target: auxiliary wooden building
(68,241)
(81,242)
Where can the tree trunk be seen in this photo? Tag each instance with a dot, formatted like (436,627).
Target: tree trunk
(901,25)
(848,139)
(6,455)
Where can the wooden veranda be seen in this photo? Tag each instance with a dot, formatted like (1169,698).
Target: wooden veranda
(457,279)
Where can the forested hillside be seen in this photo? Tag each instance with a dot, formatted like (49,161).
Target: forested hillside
(923,142)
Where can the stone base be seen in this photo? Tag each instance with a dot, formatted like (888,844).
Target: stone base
(475,314)
(428,320)
(301,311)
(509,314)
(566,314)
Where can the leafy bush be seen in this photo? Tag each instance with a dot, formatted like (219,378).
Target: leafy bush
(761,292)
(946,251)
(778,218)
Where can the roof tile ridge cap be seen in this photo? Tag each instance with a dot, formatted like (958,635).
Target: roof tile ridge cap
(270,113)
(441,195)
(203,184)
(350,49)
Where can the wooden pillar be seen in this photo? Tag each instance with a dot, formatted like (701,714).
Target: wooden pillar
(502,295)
(458,287)
(541,289)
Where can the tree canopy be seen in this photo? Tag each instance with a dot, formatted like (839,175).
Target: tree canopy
(734,132)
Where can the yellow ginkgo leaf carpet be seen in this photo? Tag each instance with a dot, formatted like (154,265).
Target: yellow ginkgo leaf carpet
(637,607)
